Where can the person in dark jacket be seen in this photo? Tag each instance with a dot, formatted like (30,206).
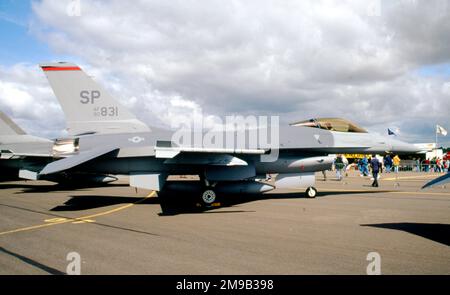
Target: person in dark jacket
(375,164)
(388,163)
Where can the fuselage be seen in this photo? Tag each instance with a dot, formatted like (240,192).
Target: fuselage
(300,149)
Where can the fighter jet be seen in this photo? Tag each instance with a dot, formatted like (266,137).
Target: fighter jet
(108,139)
(21,155)
(20,151)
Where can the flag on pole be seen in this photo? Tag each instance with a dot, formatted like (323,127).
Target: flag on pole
(390,132)
(441,130)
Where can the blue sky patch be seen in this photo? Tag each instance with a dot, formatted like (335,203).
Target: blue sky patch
(442,70)
(18,43)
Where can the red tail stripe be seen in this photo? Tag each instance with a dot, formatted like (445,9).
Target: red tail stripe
(45,69)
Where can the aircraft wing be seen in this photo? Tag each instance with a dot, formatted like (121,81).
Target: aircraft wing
(438,181)
(70,162)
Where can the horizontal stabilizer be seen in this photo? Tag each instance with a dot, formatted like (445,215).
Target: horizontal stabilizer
(11,155)
(73,161)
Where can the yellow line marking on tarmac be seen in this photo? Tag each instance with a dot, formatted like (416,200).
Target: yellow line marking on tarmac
(82,219)
(55,219)
(393,192)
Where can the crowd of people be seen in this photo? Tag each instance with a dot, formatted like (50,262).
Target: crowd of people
(435,164)
(374,166)
(365,165)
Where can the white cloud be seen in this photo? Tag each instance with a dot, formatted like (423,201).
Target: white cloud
(298,59)
(26,97)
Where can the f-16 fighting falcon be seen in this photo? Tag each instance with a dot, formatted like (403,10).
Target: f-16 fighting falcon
(20,151)
(21,155)
(106,139)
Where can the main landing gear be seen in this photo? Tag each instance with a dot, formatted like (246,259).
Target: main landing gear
(208,195)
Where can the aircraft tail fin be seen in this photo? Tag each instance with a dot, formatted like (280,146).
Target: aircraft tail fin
(8,127)
(15,141)
(87,106)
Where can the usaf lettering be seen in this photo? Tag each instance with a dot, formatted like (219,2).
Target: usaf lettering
(89,96)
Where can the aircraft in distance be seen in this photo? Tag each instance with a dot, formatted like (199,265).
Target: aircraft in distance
(107,139)
(22,154)
(19,150)
(441,180)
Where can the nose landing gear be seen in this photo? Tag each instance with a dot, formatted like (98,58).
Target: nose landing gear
(311,192)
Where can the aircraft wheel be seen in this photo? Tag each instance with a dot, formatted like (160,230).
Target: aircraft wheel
(311,192)
(208,197)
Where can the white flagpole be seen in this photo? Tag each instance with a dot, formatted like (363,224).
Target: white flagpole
(436,138)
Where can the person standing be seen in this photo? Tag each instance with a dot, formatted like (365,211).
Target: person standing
(375,164)
(365,163)
(427,165)
(339,165)
(439,165)
(388,163)
(418,165)
(433,164)
(396,162)
(324,173)
(360,167)
(345,162)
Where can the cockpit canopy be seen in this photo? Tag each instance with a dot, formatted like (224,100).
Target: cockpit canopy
(331,124)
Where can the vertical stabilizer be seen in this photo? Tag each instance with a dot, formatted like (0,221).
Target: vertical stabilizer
(87,106)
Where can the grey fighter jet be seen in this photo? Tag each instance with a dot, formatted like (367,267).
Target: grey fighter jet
(20,152)
(108,139)
(22,155)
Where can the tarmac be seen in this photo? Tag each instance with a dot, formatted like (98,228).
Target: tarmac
(118,230)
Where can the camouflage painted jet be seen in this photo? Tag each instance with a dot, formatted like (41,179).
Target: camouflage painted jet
(107,139)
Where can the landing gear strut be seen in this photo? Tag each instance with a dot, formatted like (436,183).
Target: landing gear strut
(311,192)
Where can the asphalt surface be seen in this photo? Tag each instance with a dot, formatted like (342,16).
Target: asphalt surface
(117,230)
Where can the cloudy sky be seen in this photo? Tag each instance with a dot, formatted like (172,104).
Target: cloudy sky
(382,64)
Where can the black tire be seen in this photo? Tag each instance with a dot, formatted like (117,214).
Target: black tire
(208,197)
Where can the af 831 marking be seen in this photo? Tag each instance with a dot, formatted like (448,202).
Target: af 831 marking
(106,111)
